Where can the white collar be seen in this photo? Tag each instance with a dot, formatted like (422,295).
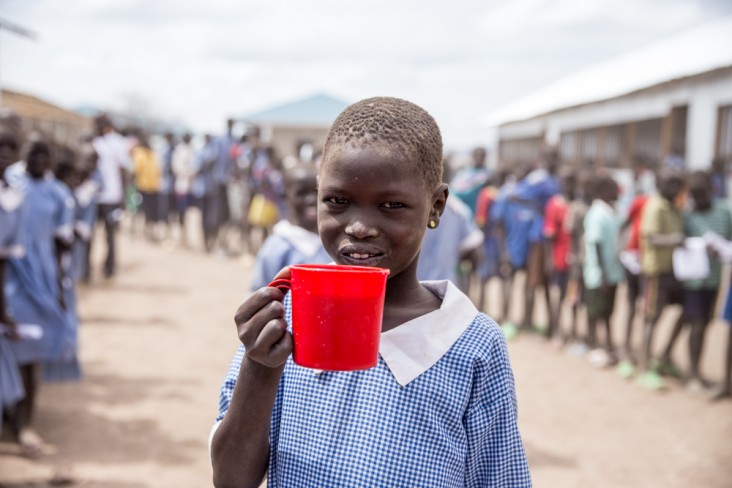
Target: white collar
(415,346)
(86,191)
(10,197)
(301,239)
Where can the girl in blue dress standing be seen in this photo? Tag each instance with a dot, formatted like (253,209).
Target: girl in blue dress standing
(66,367)
(11,215)
(33,288)
(439,408)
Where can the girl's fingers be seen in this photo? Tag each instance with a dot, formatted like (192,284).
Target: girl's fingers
(271,333)
(256,302)
(249,331)
(282,349)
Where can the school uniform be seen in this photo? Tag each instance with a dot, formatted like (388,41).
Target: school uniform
(12,209)
(66,367)
(439,409)
(443,246)
(489,266)
(536,189)
(519,221)
(288,244)
(85,216)
(32,287)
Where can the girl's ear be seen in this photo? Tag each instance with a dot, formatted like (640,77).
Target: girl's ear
(439,200)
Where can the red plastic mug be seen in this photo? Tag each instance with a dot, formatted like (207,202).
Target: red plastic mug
(336,315)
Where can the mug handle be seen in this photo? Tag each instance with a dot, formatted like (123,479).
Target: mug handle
(283,284)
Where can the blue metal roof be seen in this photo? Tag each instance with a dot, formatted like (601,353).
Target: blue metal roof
(315,110)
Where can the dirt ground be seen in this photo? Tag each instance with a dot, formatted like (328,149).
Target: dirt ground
(157,339)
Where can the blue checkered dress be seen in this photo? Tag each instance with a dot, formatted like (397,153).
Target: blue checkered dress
(454,425)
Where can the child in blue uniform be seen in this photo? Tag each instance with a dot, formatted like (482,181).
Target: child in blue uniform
(439,408)
(85,216)
(294,240)
(11,215)
(32,285)
(66,366)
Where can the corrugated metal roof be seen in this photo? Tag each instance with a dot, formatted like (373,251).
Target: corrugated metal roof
(315,110)
(698,50)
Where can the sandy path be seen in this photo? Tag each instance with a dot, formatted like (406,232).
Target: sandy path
(157,339)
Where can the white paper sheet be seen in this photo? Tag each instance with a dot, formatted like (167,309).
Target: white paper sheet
(31,332)
(691,262)
(630,261)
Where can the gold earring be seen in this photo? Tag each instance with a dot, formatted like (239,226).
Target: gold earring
(432,224)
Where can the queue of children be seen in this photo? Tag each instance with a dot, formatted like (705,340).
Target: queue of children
(39,216)
(591,249)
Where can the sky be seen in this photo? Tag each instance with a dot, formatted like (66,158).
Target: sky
(199,62)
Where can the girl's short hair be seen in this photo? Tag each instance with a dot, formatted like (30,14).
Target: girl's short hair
(406,126)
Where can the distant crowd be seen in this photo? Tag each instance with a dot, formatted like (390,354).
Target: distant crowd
(55,199)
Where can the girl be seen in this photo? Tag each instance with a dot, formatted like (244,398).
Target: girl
(439,409)
(11,214)
(32,286)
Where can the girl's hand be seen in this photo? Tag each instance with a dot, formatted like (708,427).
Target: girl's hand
(261,326)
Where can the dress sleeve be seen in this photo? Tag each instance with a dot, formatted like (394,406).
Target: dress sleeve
(12,235)
(496,454)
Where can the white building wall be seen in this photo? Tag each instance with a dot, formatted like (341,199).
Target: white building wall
(703,94)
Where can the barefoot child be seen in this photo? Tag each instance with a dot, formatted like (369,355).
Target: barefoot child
(439,409)
(294,240)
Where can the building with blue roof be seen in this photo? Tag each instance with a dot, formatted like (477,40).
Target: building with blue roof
(286,127)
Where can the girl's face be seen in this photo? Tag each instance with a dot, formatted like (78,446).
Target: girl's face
(373,208)
(37,163)
(302,198)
